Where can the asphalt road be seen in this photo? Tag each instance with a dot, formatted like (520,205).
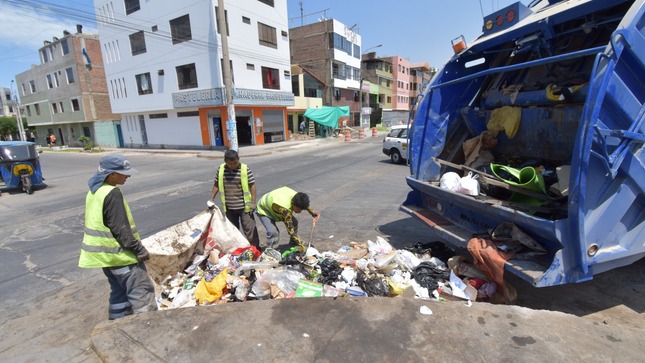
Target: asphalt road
(49,306)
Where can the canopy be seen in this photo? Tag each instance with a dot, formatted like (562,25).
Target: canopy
(327,115)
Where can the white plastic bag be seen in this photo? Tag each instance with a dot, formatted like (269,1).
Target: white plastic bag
(469,185)
(449,181)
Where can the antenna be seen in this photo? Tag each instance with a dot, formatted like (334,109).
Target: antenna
(302,15)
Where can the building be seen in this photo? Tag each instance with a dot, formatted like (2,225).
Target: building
(164,66)
(331,51)
(6,103)
(308,93)
(400,106)
(378,84)
(420,75)
(66,94)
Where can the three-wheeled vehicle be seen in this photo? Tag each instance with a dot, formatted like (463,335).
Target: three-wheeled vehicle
(20,165)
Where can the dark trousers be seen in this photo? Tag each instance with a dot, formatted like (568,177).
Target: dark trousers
(132,290)
(249,230)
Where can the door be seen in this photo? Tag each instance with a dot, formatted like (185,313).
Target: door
(144,134)
(244,130)
(217,131)
(119,135)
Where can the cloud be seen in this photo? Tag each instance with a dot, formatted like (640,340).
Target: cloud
(27,28)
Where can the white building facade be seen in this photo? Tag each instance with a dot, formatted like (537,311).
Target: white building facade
(163,64)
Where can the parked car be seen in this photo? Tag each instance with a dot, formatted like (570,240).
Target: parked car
(395,144)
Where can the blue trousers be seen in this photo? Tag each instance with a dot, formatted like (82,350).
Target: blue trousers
(132,290)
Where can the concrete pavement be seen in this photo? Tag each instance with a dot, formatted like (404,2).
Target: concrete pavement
(362,330)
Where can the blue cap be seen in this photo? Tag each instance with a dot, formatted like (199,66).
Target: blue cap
(114,163)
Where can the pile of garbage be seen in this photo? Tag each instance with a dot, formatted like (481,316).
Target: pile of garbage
(219,266)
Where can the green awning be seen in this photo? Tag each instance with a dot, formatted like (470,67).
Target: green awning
(327,115)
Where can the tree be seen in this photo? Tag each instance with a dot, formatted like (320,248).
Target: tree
(8,126)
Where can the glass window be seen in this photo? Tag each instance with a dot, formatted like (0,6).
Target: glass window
(64,46)
(60,105)
(75,105)
(245,20)
(131,6)
(70,75)
(180,29)
(49,81)
(37,109)
(138,43)
(144,86)
(43,55)
(270,78)
(186,76)
(268,2)
(267,35)
(54,107)
(228,32)
(32,86)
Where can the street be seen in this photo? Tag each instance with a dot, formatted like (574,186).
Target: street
(353,185)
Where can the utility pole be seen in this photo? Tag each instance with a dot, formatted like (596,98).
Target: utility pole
(231,124)
(16,105)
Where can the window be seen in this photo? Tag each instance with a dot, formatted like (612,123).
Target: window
(154,28)
(144,86)
(131,6)
(270,78)
(32,86)
(267,35)
(50,85)
(230,67)
(28,110)
(337,94)
(250,67)
(245,20)
(70,75)
(64,46)
(356,96)
(284,33)
(60,105)
(180,29)
(158,115)
(43,55)
(138,43)
(228,32)
(357,51)
(54,107)
(37,109)
(186,76)
(24,89)
(75,105)
(295,85)
(268,2)
(56,83)
(188,114)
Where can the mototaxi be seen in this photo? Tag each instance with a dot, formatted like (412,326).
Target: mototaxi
(20,165)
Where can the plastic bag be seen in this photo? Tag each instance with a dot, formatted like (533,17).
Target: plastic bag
(450,181)
(213,290)
(469,185)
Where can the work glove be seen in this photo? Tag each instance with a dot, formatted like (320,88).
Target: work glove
(145,256)
(210,204)
(252,206)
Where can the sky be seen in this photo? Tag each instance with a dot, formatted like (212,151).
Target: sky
(418,30)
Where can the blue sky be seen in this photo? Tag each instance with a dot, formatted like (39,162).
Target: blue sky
(419,30)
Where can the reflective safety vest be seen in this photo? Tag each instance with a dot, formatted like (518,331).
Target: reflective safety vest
(244,178)
(100,248)
(281,196)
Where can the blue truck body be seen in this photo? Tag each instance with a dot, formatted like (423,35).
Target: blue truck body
(593,52)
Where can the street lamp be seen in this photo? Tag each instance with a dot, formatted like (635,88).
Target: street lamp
(18,115)
(370,48)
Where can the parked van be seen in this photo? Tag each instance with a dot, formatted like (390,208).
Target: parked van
(559,85)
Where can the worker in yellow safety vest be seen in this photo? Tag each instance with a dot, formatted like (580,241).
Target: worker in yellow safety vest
(111,240)
(279,205)
(235,184)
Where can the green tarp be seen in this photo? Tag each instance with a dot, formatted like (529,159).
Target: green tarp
(327,115)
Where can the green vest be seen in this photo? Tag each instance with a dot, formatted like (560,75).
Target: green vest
(245,187)
(281,196)
(100,248)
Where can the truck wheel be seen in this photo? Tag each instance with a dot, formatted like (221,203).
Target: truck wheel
(395,156)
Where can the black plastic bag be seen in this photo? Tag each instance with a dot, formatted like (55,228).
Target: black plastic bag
(373,284)
(330,270)
(428,275)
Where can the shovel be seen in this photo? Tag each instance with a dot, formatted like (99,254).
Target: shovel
(311,237)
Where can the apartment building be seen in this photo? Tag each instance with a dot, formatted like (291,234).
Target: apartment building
(378,83)
(308,93)
(6,103)
(331,51)
(66,94)
(164,67)
(420,75)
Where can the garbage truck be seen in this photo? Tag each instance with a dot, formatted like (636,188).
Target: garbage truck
(558,87)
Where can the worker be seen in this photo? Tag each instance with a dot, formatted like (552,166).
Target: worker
(235,184)
(278,206)
(111,240)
